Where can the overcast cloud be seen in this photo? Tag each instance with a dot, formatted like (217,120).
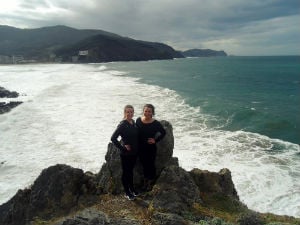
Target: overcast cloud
(239,27)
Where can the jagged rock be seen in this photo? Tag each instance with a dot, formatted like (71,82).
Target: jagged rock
(7,106)
(58,187)
(55,192)
(86,217)
(220,182)
(165,148)
(109,177)
(175,191)
(4,93)
(14,212)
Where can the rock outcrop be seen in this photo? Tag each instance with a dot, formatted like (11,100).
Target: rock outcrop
(7,106)
(63,195)
(56,191)
(109,177)
(4,93)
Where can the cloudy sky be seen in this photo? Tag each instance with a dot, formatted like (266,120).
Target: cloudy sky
(239,27)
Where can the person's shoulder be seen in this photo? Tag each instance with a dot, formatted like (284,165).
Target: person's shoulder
(155,121)
(138,120)
(122,123)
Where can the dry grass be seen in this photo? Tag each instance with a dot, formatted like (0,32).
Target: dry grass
(117,206)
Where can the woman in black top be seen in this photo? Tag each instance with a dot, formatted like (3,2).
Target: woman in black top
(150,132)
(128,146)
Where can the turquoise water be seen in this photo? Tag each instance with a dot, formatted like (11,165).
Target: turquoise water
(253,94)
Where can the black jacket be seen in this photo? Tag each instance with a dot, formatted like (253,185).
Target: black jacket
(149,130)
(129,136)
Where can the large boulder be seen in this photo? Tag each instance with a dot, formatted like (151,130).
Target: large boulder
(109,177)
(56,191)
(175,191)
(212,182)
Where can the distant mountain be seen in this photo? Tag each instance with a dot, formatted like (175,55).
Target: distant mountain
(41,41)
(64,43)
(203,53)
(102,48)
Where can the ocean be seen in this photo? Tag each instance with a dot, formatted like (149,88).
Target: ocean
(240,113)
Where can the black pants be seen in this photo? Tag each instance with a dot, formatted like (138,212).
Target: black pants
(128,163)
(147,158)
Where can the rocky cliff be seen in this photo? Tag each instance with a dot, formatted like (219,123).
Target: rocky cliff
(63,195)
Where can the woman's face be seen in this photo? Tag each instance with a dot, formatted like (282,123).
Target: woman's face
(148,112)
(128,113)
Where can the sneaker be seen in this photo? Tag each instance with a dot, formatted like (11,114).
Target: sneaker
(129,196)
(135,193)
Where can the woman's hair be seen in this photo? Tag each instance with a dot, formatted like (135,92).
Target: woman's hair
(151,107)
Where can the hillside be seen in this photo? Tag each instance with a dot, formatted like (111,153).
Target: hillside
(203,53)
(102,48)
(63,43)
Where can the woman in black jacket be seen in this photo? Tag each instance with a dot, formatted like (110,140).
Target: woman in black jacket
(128,146)
(150,132)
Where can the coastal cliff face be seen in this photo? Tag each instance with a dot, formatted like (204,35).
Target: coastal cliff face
(63,195)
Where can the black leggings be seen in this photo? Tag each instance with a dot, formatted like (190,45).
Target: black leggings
(147,158)
(128,163)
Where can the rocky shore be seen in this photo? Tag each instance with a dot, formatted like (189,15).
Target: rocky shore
(7,106)
(62,195)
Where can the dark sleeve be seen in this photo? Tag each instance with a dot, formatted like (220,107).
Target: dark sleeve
(138,122)
(161,132)
(115,135)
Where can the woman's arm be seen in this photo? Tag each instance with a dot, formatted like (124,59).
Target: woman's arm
(161,132)
(115,136)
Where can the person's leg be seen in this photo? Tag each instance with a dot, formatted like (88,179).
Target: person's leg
(131,164)
(143,156)
(148,162)
(151,165)
(126,174)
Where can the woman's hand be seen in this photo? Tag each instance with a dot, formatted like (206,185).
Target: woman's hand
(151,141)
(128,147)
